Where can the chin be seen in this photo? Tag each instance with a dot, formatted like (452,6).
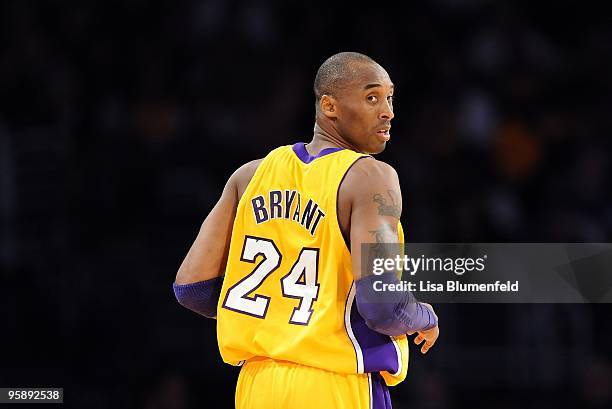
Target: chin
(376,148)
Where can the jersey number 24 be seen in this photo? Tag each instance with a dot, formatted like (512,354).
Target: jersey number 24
(300,283)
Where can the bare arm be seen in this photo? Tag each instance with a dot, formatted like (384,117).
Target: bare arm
(207,256)
(373,190)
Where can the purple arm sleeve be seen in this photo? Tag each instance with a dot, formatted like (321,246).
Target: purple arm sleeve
(391,312)
(201,297)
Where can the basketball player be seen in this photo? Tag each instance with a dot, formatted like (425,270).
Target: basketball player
(278,259)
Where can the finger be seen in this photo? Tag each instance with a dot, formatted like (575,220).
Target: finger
(418,339)
(426,347)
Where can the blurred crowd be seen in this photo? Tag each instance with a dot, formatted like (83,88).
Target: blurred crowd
(121,121)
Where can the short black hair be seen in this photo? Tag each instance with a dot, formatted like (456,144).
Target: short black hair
(335,72)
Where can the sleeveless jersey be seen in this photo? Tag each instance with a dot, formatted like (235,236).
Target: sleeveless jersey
(288,292)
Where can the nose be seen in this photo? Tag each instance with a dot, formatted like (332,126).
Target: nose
(387,111)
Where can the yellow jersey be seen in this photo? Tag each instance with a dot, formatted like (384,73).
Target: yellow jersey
(288,291)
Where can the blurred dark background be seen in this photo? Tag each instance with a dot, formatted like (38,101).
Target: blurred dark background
(120,122)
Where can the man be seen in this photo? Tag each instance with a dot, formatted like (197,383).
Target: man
(278,259)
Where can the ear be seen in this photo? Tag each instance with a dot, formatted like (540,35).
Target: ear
(328,106)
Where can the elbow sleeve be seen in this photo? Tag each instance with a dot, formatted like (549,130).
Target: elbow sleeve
(391,312)
(201,297)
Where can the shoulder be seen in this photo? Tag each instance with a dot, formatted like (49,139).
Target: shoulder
(243,175)
(247,170)
(367,183)
(368,178)
(371,171)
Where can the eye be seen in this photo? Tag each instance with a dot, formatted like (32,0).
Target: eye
(372,98)
(391,98)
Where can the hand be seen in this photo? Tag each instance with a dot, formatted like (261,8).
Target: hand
(429,336)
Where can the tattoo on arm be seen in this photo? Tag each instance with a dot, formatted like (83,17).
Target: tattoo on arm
(390,207)
(384,236)
(386,233)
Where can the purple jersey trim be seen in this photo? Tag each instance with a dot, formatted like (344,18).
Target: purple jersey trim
(378,350)
(381,399)
(301,152)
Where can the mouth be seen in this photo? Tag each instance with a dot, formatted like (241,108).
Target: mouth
(384,133)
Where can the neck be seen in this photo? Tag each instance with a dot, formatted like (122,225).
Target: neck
(323,138)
